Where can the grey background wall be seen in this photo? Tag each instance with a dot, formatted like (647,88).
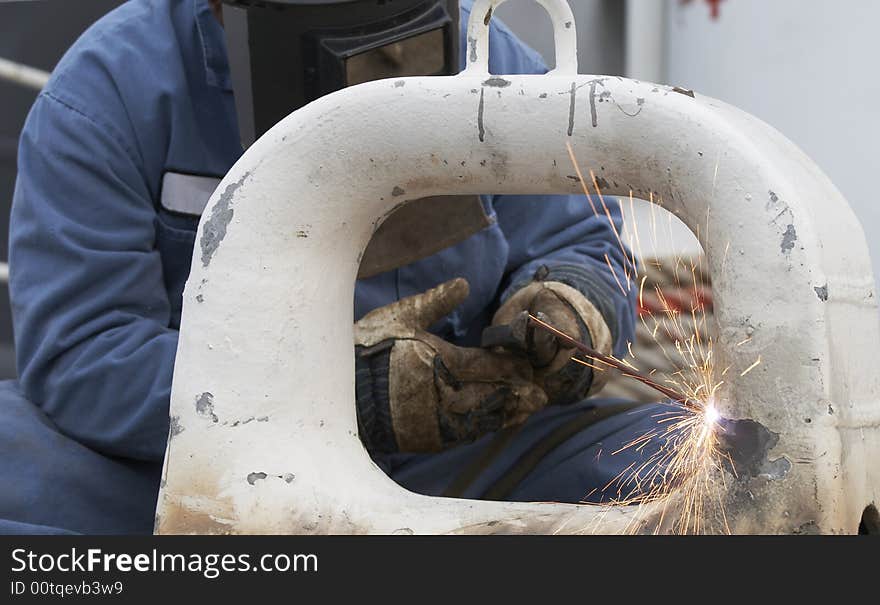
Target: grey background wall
(807,67)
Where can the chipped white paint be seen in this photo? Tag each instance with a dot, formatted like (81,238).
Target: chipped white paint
(267,320)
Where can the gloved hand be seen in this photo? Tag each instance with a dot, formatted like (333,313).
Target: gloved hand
(565,308)
(418,393)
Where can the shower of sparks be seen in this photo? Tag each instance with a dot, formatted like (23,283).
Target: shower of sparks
(682,478)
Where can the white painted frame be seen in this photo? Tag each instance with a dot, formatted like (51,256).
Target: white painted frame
(264,432)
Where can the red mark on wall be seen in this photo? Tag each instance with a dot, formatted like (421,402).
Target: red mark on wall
(714,6)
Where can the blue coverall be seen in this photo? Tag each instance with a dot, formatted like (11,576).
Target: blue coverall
(98,269)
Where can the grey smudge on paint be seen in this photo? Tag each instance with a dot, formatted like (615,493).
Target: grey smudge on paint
(684,91)
(205,406)
(472,45)
(254,477)
(480,127)
(822,292)
(397,191)
(571,107)
(175,427)
(215,227)
(497,82)
(488,17)
(288,477)
(788,239)
(594,117)
(399,84)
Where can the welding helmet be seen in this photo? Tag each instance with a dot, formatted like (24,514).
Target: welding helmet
(286,53)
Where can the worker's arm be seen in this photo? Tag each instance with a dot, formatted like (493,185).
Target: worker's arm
(566,266)
(559,239)
(90,309)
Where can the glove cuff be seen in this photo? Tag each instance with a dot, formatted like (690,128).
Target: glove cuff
(397,415)
(372,399)
(413,407)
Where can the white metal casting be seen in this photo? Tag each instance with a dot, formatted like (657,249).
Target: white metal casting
(264,433)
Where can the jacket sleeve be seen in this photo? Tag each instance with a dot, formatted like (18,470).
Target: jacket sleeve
(90,310)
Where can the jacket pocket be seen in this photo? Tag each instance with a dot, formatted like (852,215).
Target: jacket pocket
(175,239)
(181,204)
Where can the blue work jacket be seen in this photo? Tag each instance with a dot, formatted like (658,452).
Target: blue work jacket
(98,266)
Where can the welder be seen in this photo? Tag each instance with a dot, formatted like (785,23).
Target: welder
(117,160)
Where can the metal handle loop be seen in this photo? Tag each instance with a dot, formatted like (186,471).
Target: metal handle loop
(564,30)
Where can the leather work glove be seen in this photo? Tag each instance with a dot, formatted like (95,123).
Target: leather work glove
(565,308)
(419,393)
